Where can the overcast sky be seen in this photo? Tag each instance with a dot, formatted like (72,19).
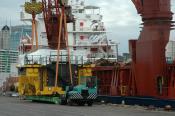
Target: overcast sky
(119,16)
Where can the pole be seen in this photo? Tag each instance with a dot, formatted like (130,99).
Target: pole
(36,34)
(67,46)
(58,49)
(33,30)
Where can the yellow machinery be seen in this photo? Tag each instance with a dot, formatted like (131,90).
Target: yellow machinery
(85,70)
(83,92)
(33,84)
(48,82)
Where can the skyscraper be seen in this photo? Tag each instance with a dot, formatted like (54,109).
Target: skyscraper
(5,37)
(9,42)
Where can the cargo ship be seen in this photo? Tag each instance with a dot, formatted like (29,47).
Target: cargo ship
(39,79)
(87,34)
(148,79)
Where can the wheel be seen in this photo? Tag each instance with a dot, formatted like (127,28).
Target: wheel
(81,103)
(56,102)
(90,103)
(63,102)
(69,102)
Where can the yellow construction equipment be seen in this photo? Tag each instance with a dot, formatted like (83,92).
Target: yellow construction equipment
(33,83)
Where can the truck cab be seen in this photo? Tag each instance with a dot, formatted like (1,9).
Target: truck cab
(83,93)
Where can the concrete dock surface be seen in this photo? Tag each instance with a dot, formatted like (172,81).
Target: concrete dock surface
(12,106)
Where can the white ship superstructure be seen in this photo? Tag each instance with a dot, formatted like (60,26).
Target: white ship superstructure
(87,34)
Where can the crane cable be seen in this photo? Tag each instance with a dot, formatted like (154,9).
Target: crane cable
(58,49)
(63,21)
(67,46)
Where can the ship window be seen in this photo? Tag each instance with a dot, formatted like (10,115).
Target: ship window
(94,49)
(81,37)
(81,24)
(74,48)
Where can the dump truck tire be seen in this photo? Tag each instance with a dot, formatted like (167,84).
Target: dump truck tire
(63,102)
(81,103)
(90,103)
(69,102)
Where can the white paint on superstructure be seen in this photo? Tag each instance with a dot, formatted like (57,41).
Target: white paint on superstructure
(86,34)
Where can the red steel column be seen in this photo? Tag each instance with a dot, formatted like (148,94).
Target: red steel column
(150,59)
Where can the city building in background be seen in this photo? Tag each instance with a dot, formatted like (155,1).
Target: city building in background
(17,34)
(10,39)
(87,35)
(8,58)
(5,37)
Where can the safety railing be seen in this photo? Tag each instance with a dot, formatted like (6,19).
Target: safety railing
(38,59)
(75,59)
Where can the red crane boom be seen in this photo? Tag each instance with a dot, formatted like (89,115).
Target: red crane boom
(52,10)
(148,52)
(56,16)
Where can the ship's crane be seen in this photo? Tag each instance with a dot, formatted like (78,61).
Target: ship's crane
(148,52)
(43,85)
(56,13)
(152,75)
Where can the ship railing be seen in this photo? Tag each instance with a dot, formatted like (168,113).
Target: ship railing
(96,56)
(33,59)
(63,58)
(102,55)
(38,59)
(74,59)
(88,29)
(85,29)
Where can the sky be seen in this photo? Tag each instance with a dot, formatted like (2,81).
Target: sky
(120,18)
